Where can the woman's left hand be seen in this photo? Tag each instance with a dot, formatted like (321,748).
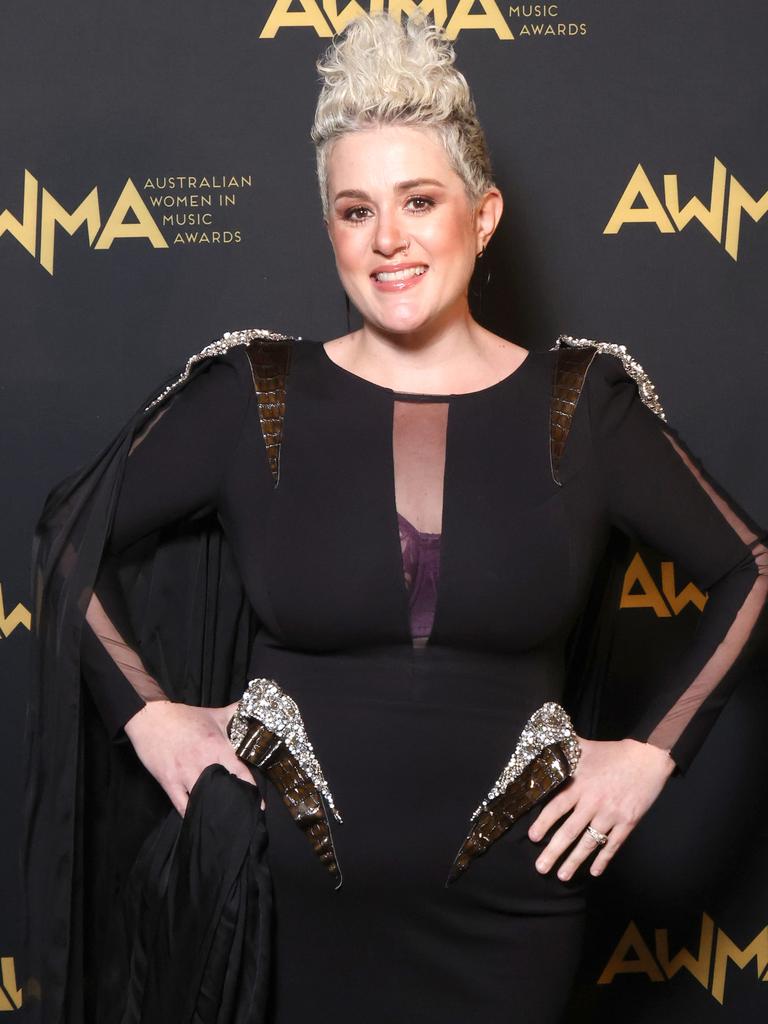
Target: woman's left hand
(614,784)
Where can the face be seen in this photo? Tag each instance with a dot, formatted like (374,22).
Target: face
(403,229)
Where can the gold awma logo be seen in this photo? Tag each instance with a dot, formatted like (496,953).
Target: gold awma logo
(327,17)
(10,994)
(640,590)
(708,965)
(663,210)
(15,617)
(51,214)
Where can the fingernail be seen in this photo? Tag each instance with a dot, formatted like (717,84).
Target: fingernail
(541,865)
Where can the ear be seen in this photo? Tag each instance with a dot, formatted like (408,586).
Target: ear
(487,216)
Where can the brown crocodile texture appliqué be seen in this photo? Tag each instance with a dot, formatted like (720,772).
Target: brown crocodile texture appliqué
(266,750)
(571,365)
(545,772)
(268,731)
(270,362)
(573,359)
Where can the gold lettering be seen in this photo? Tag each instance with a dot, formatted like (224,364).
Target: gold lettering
(491,18)
(690,594)
(437,8)
(618,963)
(728,950)
(340,19)
(699,965)
(652,213)
(309,16)
(20,616)
(332,19)
(712,217)
(10,994)
(739,199)
(534,11)
(53,213)
(649,597)
(144,226)
(25,230)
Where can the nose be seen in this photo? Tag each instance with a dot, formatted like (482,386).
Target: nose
(389,237)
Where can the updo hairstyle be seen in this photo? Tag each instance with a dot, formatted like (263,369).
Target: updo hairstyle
(379,72)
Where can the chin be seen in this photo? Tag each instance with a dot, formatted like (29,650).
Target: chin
(403,321)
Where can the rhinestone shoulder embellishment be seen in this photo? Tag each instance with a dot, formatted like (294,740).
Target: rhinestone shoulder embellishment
(632,367)
(548,724)
(266,700)
(218,348)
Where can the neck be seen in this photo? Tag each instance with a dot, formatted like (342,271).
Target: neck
(424,353)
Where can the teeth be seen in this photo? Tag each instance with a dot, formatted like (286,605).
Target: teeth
(399,275)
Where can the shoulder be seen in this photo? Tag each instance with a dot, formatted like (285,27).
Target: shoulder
(235,359)
(608,372)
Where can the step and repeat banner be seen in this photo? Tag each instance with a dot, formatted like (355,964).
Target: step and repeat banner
(157,189)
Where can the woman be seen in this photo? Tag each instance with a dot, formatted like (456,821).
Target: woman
(416,543)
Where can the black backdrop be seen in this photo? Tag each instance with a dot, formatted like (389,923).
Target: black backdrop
(605,122)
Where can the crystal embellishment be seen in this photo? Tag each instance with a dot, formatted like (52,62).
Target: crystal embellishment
(548,724)
(633,368)
(266,700)
(217,348)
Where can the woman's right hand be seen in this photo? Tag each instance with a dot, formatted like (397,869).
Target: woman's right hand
(176,742)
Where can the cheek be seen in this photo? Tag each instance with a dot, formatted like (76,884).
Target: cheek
(451,239)
(347,246)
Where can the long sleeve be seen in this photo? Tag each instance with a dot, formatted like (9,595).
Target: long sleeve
(658,492)
(174,470)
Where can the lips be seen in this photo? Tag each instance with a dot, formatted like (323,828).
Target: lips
(395,277)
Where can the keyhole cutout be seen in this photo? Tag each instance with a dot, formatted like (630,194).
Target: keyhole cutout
(419,430)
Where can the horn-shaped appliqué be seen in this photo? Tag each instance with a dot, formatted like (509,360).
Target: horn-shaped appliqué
(546,754)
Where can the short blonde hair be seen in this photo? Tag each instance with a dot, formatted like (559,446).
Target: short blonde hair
(379,72)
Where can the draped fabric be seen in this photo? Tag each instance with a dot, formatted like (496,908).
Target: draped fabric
(90,807)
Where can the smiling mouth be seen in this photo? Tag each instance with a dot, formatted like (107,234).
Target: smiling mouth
(399,275)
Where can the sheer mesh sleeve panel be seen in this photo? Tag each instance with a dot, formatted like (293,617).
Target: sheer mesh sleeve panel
(174,469)
(658,492)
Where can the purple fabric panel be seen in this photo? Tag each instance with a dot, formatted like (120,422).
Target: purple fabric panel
(421,568)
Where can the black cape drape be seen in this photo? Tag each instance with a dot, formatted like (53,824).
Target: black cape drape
(134,914)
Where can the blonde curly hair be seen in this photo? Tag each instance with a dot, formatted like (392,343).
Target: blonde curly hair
(379,72)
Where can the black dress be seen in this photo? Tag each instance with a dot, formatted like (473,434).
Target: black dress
(415,576)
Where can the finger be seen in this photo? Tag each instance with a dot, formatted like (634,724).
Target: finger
(583,849)
(233,765)
(241,771)
(569,832)
(552,811)
(236,766)
(616,838)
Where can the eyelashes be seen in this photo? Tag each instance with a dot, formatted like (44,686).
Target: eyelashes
(350,215)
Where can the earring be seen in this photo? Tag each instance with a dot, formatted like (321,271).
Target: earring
(482,284)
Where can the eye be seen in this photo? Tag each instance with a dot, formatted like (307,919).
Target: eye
(424,203)
(352,213)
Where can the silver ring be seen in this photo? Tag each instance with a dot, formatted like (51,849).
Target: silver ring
(599,838)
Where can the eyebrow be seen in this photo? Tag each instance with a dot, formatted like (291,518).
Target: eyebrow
(401,186)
